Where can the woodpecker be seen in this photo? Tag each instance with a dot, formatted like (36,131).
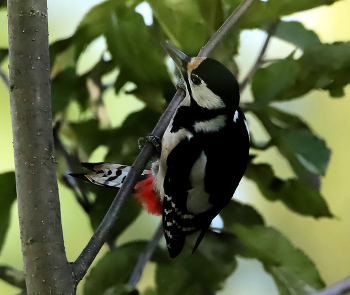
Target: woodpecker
(204,153)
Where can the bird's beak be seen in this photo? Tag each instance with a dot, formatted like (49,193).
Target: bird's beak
(181,59)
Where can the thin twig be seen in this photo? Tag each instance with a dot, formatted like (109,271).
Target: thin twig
(232,20)
(4,78)
(12,276)
(73,163)
(83,262)
(271,31)
(145,256)
(338,288)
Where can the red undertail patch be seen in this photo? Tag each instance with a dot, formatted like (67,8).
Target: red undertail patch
(147,197)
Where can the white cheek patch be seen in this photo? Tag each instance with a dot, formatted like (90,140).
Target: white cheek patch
(205,98)
(212,125)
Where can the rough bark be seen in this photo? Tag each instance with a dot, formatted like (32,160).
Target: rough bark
(45,263)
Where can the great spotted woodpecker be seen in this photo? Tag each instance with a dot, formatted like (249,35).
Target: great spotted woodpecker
(204,153)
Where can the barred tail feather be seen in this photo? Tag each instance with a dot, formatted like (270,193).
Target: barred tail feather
(107,174)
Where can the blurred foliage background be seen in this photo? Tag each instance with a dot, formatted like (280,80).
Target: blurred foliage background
(324,240)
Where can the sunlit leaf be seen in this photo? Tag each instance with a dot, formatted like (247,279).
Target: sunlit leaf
(262,11)
(296,33)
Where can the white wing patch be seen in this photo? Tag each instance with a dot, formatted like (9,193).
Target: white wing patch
(198,198)
(236,116)
(212,125)
(246,126)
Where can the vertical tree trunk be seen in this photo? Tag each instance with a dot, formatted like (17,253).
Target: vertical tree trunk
(45,262)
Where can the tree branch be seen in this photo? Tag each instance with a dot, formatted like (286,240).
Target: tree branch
(83,262)
(145,256)
(232,20)
(12,276)
(339,288)
(73,163)
(270,32)
(44,258)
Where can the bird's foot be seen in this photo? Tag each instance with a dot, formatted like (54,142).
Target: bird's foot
(181,84)
(154,140)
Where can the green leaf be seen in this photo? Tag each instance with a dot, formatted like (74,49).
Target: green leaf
(334,56)
(297,194)
(115,268)
(88,135)
(150,291)
(67,86)
(104,197)
(293,271)
(121,289)
(182,22)
(262,11)
(142,65)
(295,33)
(237,212)
(123,141)
(7,197)
(203,272)
(292,136)
(3,53)
(270,83)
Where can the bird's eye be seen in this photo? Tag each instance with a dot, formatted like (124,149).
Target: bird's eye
(195,79)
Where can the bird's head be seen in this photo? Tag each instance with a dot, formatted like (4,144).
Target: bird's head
(210,84)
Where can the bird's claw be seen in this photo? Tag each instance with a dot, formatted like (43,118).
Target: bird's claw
(181,84)
(154,140)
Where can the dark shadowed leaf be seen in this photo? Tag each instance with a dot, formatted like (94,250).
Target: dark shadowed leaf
(296,33)
(149,291)
(94,24)
(68,86)
(123,141)
(3,53)
(121,289)
(292,270)
(7,197)
(115,268)
(237,212)
(297,194)
(104,197)
(200,273)
(331,56)
(143,64)
(89,136)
